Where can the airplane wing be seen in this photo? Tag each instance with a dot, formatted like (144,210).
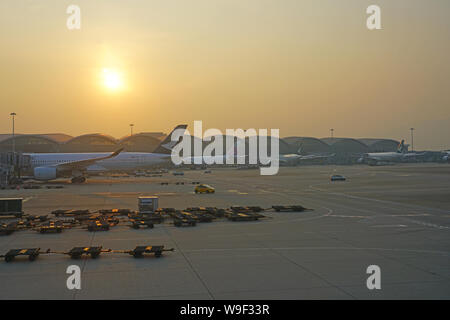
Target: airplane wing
(312,157)
(297,157)
(81,164)
(406,155)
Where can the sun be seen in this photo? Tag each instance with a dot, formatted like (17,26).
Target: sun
(112,79)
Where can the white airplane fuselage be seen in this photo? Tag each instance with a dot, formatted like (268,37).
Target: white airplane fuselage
(123,161)
(385,156)
(293,157)
(50,166)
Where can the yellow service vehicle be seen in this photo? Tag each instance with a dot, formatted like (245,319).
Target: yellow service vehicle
(204,188)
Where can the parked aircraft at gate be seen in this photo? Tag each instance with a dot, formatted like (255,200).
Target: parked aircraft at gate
(301,156)
(50,166)
(400,155)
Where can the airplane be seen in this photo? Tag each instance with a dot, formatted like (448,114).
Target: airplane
(301,156)
(230,156)
(379,157)
(50,166)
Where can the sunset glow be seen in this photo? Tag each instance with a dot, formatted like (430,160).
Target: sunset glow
(112,79)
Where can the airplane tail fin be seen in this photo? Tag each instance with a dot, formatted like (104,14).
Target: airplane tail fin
(116,153)
(166,146)
(401,147)
(300,149)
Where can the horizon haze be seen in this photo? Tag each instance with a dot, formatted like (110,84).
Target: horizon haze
(300,66)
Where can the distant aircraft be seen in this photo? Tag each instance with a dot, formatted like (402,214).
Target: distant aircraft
(50,166)
(400,155)
(293,158)
(231,156)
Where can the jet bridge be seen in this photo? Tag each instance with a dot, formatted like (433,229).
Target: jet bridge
(12,165)
(15,159)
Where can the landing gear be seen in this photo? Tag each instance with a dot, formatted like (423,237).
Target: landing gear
(78,179)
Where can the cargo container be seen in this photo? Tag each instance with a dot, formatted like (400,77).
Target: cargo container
(11,206)
(147,204)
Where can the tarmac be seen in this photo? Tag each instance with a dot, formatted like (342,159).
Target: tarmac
(396,217)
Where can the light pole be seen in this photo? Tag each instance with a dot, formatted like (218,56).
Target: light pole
(331,133)
(412,138)
(131,128)
(13,114)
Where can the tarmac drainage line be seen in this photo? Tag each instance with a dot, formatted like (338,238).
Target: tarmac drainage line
(84,265)
(190,265)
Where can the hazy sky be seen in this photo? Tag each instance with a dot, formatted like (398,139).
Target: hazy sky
(301,66)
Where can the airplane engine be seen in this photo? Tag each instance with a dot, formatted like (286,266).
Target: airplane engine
(45,173)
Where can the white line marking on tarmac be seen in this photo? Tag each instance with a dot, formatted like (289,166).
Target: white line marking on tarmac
(390,226)
(313,187)
(318,248)
(426,224)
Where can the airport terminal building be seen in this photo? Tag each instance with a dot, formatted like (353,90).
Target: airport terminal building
(346,150)
(94,142)
(148,141)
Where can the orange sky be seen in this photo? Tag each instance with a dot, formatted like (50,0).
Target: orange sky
(301,66)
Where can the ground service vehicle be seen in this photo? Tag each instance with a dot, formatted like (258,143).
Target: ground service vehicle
(180,221)
(32,254)
(34,218)
(70,213)
(7,229)
(140,250)
(136,224)
(98,225)
(52,226)
(77,252)
(246,208)
(240,216)
(337,177)
(294,208)
(204,188)
(116,212)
